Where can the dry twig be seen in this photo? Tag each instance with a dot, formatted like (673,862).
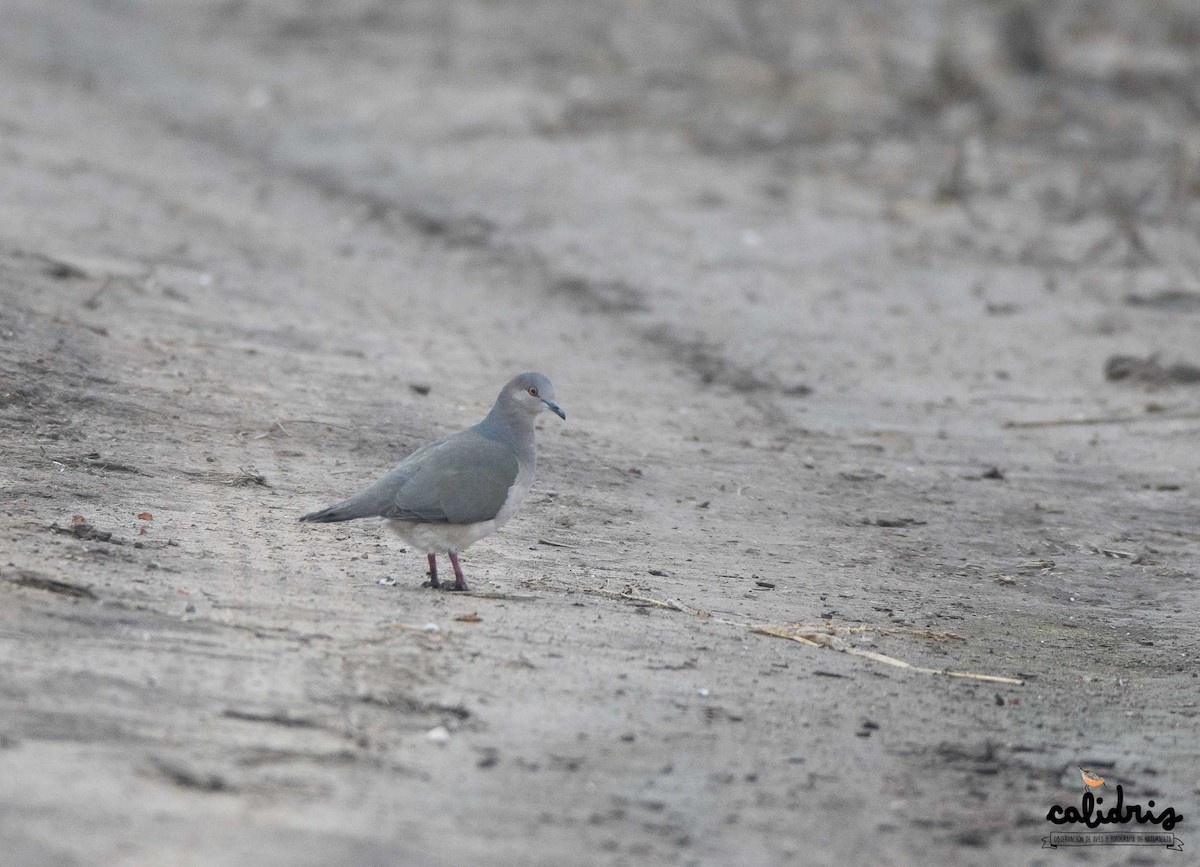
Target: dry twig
(817,639)
(826,634)
(1110,419)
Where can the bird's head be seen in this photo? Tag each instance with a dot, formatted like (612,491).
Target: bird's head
(532,392)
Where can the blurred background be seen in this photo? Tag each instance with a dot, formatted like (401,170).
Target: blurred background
(878,313)
(737,180)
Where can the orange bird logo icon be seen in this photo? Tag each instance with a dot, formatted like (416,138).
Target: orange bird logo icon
(1091,779)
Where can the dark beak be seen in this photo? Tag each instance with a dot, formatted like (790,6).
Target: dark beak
(554,409)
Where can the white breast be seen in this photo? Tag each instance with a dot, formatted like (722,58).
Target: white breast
(516,496)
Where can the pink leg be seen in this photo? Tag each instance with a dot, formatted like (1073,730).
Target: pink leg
(433,579)
(460,583)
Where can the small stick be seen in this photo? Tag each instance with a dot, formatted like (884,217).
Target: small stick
(629,595)
(835,629)
(822,635)
(1111,419)
(777,632)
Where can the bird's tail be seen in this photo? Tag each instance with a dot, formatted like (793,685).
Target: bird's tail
(336,512)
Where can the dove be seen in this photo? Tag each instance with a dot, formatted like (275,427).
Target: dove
(456,490)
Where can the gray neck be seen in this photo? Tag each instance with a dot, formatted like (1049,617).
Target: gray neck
(512,426)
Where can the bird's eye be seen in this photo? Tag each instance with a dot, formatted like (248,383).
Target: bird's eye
(533,390)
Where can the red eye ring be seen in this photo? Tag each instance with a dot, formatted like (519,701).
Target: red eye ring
(533,390)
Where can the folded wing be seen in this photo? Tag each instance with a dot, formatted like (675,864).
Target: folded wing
(461,479)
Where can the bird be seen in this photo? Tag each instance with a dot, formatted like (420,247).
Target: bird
(454,491)
(1090,778)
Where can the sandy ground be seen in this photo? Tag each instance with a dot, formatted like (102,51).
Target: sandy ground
(820,289)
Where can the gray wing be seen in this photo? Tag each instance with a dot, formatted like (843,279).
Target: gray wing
(461,479)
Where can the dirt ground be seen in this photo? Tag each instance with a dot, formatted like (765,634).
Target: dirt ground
(827,291)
